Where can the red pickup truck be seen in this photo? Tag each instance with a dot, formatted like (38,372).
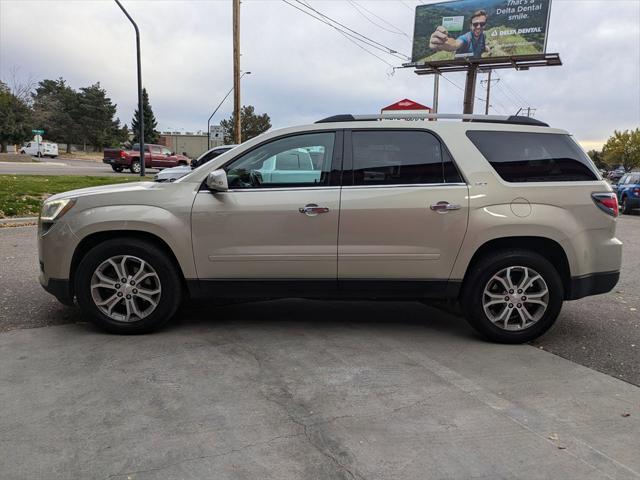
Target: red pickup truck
(156,156)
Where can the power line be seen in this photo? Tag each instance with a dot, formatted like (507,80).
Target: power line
(371,42)
(343,33)
(405,4)
(519,98)
(395,30)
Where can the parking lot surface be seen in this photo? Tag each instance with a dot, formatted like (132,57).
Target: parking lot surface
(280,390)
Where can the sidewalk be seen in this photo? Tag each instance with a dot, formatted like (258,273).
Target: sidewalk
(257,397)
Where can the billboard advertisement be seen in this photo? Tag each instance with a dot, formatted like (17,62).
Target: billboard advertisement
(480,28)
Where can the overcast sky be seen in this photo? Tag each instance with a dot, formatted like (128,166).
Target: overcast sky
(303,70)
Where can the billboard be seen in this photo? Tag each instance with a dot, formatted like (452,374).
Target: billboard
(480,28)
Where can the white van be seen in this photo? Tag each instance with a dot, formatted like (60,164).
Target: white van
(47,149)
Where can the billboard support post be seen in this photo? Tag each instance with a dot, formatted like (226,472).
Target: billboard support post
(470,88)
(486,106)
(436,92)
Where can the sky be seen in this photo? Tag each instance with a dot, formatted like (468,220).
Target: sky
(303,70)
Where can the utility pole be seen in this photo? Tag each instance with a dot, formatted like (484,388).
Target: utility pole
(436,92)
(488,82)
(486,107)
(237,127)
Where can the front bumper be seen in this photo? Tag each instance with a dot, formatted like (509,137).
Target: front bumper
(59,288)
(592,284)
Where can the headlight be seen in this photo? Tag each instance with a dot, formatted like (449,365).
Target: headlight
(55,209)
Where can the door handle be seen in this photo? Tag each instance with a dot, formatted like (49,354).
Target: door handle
(444,207)
(311,210)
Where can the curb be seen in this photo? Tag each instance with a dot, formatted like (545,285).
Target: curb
(18,220)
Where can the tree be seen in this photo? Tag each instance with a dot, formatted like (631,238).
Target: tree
(151,135)
(56,110)
(251,126)
(95,116)
(15,118)
(623,148)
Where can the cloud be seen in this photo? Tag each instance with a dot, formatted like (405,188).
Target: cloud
(303,70)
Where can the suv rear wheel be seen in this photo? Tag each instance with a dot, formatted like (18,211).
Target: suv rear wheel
(512,296)
(128,286)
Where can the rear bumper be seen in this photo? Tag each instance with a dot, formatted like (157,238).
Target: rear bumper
(592,284)
(115,161)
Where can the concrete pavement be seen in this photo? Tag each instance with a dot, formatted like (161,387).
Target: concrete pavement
(304,396)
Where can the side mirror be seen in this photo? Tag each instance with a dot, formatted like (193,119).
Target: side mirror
(217,181)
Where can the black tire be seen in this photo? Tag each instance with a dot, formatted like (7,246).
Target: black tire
(166,270)
(479,276)
(117,168)
(135,166)
(625,207)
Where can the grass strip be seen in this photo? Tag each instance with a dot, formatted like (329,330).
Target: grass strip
(22,195)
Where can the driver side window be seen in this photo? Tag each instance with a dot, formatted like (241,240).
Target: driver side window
(301,160)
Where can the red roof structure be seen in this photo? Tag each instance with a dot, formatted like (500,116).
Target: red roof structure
(406,104)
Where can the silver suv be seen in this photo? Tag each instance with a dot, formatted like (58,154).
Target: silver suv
(504,215)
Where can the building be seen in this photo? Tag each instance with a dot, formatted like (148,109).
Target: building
(193,144)
(406,106)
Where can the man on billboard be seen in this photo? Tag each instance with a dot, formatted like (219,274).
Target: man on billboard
(471,44)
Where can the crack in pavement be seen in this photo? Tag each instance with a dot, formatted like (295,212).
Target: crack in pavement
(203,457)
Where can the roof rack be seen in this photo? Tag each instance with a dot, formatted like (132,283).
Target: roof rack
(399,115)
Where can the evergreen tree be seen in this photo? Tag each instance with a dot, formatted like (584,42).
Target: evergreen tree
(251,125)
(15,118)
(95,116)
(56,107)
(151,135)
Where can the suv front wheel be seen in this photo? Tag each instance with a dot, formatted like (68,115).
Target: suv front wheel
(512,296)
(128,286)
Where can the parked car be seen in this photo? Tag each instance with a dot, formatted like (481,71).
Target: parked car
(156,156)
(628,192)
(42,149)
(172,174)
(507,217)
(616,175)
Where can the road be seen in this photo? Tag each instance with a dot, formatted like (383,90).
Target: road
(62,166)
(601,332)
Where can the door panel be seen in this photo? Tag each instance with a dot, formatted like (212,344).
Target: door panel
(392,233)
(261,234)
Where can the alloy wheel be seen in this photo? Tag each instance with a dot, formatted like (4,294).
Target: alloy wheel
(515,298)
(125,288)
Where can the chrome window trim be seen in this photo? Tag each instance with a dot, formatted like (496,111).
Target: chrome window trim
(275,189)
(405,185)
(335,187)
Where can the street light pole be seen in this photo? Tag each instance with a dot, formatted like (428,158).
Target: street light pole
(140,111)
(214,112)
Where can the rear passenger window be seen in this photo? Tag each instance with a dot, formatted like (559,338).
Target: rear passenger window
(395,157)
(533,157)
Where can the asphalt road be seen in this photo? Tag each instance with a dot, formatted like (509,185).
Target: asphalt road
(601,332)
(62,166)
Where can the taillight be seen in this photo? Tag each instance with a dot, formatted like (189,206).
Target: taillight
(636,192)
(122,154)
(607,202)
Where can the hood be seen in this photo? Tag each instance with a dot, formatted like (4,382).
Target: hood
(105,189)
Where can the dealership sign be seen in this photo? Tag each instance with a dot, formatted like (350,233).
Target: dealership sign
(479,29)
